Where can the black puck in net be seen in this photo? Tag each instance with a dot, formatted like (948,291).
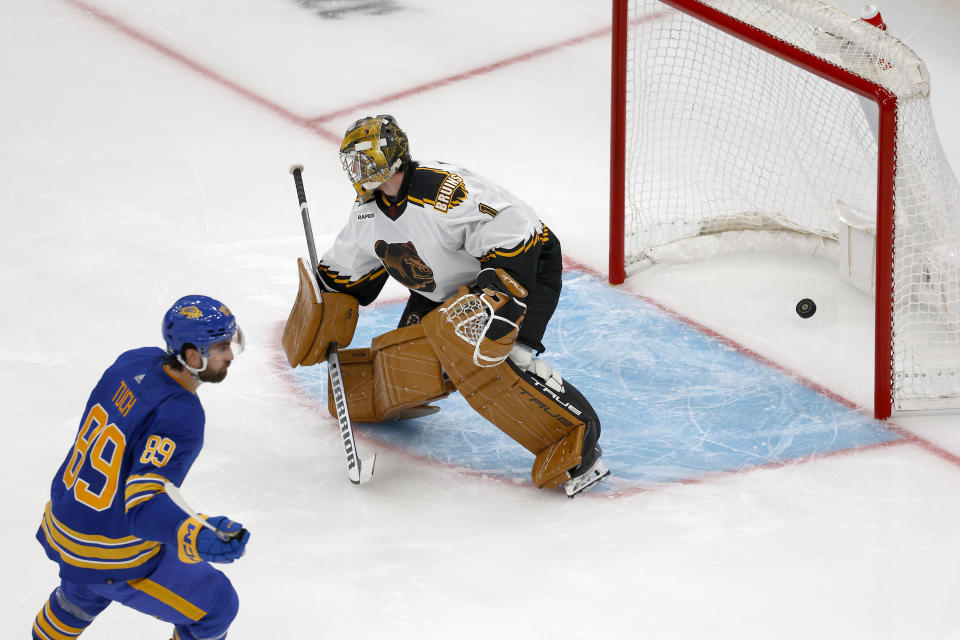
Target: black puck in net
(806,308)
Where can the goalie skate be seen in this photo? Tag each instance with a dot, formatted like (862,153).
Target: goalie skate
(597,472)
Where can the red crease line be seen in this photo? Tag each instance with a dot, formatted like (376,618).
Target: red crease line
(905,436)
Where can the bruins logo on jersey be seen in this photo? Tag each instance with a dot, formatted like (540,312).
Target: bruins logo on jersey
(404,264)
(441,190)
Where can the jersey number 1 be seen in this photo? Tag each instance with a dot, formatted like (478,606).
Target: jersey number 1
(93,438)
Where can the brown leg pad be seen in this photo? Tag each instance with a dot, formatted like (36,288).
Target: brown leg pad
(395,379)
(550,467)
(511,403)
(356,369)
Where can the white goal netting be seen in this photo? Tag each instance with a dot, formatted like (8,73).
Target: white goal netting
(723,136)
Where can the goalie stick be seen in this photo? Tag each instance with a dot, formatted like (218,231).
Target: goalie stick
(174,492)
(359,471)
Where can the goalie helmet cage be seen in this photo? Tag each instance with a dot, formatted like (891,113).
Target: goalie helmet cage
(747,116)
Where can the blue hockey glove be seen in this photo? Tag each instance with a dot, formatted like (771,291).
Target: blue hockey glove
(197,542)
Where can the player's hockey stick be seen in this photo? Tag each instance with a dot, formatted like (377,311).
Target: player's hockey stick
(359,471)
(174,492)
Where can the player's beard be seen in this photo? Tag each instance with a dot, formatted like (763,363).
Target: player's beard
(214,376)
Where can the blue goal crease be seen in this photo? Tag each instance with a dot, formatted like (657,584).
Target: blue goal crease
(675,404)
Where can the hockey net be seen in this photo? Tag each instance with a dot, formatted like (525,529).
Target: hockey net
(789,118)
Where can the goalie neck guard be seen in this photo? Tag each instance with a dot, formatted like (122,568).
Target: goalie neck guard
(373,149)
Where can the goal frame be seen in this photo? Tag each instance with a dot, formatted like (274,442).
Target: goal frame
(887,104)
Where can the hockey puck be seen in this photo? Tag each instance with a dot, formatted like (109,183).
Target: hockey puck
(806,308)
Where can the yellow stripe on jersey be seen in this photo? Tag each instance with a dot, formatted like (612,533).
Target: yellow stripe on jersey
(59,624)
(140,488)
(85,562)
(336,278)
(40,632)
(88,537)
(134,489)
(46,626)
(400,203)
(167,597)
(131,503)
(146,477)
(70,545)
(522,248)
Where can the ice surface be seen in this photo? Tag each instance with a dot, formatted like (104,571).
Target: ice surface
(676,404)
(146,148)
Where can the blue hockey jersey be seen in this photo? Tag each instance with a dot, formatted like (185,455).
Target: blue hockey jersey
(109,517)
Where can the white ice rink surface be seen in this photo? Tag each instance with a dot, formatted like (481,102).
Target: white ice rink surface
(145,154)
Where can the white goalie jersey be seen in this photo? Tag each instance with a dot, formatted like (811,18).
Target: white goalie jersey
(433,236)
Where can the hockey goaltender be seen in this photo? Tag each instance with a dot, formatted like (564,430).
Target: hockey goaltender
(484,275)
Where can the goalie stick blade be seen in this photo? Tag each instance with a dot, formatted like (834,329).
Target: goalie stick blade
(364,473)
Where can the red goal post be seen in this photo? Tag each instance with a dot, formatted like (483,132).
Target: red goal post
(733,116)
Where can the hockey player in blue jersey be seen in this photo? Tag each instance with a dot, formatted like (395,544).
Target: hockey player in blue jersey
(109,524)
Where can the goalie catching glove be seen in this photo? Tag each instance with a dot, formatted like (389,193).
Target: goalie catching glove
(502,296)
(197,543)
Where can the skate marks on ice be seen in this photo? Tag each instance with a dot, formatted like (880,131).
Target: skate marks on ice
(676,404)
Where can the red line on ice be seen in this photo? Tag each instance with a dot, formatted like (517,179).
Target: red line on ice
(206,72)
(465,75)
(315,125)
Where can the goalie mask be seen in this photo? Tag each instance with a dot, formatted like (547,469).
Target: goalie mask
(373,149)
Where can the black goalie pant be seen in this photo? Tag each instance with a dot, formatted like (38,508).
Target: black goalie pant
(571,400)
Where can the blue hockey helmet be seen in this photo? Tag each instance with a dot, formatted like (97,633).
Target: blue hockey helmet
(200,321)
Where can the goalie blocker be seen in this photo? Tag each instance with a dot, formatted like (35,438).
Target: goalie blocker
(406,369)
